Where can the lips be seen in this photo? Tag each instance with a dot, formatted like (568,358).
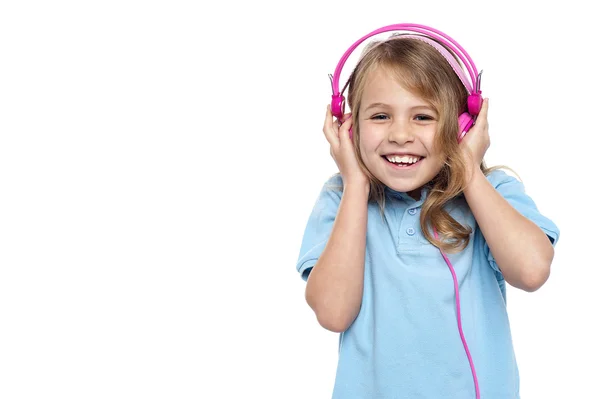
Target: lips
(400,166)
(402,159)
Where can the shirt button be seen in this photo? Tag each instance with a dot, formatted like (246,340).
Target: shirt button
(412,211)
(410,231)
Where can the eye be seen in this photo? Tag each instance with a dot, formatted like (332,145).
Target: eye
(424,118)
(379,117)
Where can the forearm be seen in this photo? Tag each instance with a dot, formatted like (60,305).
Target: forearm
(335,285)
(521,249)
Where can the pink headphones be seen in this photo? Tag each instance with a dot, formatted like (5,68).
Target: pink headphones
(431,36)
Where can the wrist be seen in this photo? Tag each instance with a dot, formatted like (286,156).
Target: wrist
(358,187)
(476,178)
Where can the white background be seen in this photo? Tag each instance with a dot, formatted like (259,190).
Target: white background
(159,160)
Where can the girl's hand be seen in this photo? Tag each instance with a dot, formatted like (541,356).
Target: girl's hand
(476,142)
(342,149)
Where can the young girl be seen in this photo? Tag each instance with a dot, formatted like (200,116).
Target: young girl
(409,247)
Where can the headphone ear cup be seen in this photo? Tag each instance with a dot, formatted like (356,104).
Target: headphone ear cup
(465,122)
(338,103)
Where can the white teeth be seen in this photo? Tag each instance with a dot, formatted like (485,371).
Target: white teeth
(403,159)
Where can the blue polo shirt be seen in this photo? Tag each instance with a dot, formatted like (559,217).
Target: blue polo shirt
(405,341)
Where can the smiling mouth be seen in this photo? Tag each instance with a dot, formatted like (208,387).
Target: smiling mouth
(404,160)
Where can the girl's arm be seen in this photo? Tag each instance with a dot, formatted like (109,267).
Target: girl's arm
(334,287)
(521,249)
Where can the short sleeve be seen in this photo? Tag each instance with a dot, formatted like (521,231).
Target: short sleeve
(319,225)
(514,192)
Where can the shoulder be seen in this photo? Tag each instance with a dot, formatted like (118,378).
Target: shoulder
(330,195)
(513,191)
(334,183)
(498,177)
(333,187)
(507,184)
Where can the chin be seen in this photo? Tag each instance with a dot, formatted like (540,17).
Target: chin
(401,188)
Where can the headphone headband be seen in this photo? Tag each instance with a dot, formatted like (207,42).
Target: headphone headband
(460,52)
(451,60)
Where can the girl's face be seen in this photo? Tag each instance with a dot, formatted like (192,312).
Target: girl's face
(397,131)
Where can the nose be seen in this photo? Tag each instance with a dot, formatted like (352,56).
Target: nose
(400,132)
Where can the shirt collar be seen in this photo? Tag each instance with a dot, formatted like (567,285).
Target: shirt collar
(407,198)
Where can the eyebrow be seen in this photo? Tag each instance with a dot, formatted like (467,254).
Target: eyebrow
(375,105)
(383,105)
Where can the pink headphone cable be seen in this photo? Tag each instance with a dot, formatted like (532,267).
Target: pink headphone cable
(462,337)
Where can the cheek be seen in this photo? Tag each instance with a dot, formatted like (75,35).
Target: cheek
(367,148)
(428,140)
(369,140)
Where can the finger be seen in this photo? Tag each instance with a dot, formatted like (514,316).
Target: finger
(344,118)
(344,131)
(328,127)
(484,110)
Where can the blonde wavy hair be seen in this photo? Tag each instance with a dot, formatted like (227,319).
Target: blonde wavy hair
(422,70)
